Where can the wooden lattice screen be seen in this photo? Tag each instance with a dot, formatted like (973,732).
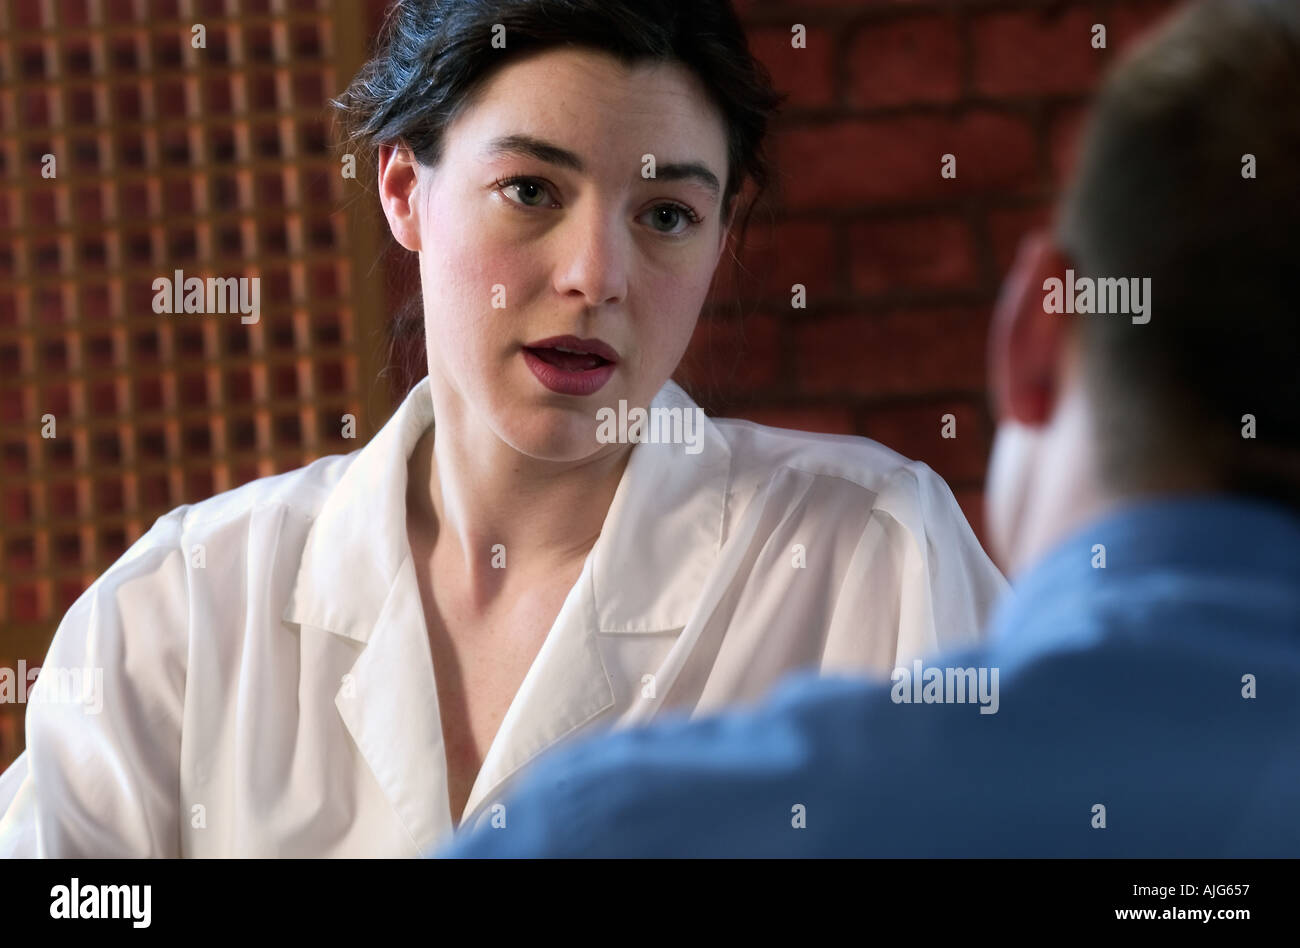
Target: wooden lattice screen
(217,162)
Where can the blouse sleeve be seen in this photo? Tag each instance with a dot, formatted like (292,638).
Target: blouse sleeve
(100,775)
(918,583)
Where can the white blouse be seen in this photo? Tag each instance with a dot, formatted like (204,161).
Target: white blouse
(267,681)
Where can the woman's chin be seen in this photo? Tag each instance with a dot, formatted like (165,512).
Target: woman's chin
(562,439)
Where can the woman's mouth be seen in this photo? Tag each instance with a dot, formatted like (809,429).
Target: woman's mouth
(571,366)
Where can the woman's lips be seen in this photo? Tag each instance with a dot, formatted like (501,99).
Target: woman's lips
(568,361)
(569,365)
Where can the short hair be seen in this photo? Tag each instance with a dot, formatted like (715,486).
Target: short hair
(1162,190)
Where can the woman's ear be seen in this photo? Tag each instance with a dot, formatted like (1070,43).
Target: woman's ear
(397,188)
(1027,344)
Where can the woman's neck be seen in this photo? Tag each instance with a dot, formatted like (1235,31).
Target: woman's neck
(478,504)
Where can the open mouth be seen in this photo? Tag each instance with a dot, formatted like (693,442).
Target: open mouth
(568,360)
(569,365)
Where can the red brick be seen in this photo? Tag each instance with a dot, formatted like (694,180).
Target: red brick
(774,259)
(868,162)
(1064,139)
(934,251)
(916,431)
(807,74)
(994,152)
(732,355)
(1128,23)
(902,352)
(912,59)
(1032,53)
(1007,227)
(824,419)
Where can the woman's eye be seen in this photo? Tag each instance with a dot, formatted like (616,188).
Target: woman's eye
(526,188)
(670,214)
(666,214)
(532,193)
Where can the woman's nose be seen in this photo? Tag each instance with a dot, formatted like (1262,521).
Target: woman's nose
(593,257)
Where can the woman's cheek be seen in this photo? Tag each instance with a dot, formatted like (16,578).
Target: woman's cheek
(493,265)
(476,251)
(479,286)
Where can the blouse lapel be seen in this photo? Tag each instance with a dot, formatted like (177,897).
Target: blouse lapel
(356,580)
(602,661)
(389,703)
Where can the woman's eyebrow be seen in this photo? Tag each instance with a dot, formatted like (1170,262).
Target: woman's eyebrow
(526,146)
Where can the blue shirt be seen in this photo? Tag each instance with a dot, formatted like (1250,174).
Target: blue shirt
(1149,707)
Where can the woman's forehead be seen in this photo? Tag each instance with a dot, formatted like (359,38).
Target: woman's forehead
(584,100)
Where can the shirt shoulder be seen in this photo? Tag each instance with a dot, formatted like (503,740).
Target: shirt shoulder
(848,484)
(186,556)
(758,449)
(303,490)
(845,473)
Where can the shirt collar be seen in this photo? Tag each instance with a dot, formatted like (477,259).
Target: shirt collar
(357,541)
(1216,535)
(662,533)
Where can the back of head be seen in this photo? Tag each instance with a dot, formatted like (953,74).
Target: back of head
(1188,176)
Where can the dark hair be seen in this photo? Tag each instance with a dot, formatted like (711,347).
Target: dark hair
(433,56)
(1161,192)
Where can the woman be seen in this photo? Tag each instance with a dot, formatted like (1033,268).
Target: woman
(356,657)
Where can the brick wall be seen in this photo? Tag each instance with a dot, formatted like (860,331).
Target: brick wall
(902,265)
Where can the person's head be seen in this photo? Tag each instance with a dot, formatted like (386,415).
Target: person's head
(563,168)
(1186,178)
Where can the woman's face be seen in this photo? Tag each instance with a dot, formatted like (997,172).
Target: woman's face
(538,223)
